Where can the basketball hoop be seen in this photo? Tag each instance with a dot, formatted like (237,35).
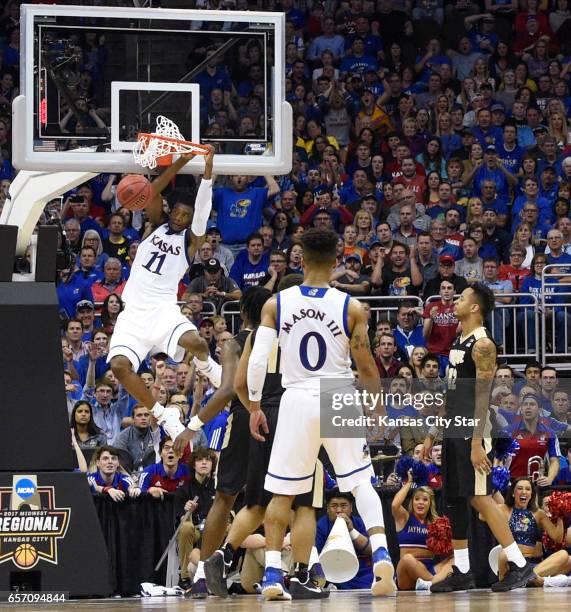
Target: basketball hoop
(158,148)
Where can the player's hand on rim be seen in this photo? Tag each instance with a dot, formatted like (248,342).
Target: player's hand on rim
(257,421)
(480,460)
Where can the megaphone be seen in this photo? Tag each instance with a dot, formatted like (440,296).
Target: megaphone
(338,558)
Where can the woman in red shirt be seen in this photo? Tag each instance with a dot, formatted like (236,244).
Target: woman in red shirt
(514,271)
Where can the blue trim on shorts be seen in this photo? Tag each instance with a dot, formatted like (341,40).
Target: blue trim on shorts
(127,347)
(286,478)
(279,308)
(354,471)
(173,331)
(345,318)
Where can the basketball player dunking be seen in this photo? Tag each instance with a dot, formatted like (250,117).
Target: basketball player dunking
(151,318)
(467,451)
(314,349)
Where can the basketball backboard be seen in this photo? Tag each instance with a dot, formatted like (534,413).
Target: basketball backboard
(92,78)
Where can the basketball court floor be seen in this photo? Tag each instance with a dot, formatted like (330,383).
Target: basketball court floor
(522,600)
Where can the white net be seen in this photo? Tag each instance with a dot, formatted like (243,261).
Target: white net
(149,149)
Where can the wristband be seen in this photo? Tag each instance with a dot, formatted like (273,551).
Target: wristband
(106,490)
(195,423)
(354,534)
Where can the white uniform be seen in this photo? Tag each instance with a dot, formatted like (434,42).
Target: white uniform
(152,318)
(313,335)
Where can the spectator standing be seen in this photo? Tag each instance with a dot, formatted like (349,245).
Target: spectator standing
(440,324)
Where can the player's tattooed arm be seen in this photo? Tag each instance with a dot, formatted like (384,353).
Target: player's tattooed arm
(484,354)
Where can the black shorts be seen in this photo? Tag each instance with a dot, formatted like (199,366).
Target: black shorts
(459,478)
(258,461)
(233,460)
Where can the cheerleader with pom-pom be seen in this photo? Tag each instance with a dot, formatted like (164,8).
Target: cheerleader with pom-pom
(412,525)
(528,523)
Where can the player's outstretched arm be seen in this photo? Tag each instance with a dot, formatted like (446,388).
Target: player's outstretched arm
(202,207)
(361,351)
(224,394)
(258,364)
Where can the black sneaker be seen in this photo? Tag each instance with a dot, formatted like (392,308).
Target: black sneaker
(215,572)
(306,590)
(455,581)
(516,578)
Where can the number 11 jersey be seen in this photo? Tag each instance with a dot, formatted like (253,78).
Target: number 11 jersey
(313,334)
(160,263)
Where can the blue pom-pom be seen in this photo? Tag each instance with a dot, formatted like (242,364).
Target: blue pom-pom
(419,470)
(500,478)
(404,464)
(419,473)
(506,447)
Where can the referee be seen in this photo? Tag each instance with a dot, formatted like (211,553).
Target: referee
(467,447)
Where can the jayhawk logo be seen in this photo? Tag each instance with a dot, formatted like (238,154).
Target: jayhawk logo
(240,208)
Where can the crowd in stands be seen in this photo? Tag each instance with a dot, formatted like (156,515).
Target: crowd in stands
(433,136)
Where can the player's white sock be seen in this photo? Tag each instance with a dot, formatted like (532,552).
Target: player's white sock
(513,553)
(313,557)
(369,505)
(273,559)
(378,540)
(462,560)
(210,369)
(157,410)
(199,572)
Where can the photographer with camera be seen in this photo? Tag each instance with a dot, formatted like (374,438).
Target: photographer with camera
(192,503)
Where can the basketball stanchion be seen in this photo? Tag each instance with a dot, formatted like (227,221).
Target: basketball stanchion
(338,557)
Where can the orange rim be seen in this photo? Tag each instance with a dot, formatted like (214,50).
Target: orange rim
(198,148)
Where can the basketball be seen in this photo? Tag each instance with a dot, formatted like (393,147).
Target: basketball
(134,191)
(25,555)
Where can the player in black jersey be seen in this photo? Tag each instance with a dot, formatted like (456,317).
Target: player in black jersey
(257,498)
(466,450)
(233,462)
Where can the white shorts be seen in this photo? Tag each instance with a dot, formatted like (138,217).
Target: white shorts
(140,330)
(296,446)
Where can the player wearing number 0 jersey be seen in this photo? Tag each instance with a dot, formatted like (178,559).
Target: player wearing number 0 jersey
(152,319)
(318,329)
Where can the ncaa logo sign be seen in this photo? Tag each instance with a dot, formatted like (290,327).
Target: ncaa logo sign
(25,488)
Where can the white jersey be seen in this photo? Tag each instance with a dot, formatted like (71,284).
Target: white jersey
(313,334)
(160,263)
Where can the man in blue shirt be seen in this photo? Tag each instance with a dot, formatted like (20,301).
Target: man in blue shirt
(240,207)
(486,133)
(167,475)
(213,77)
(251,265)
(358,62)
(557,254)
(492,170)
(510,154)
(340,505)
(107,479)
(409,331)
(328,41)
